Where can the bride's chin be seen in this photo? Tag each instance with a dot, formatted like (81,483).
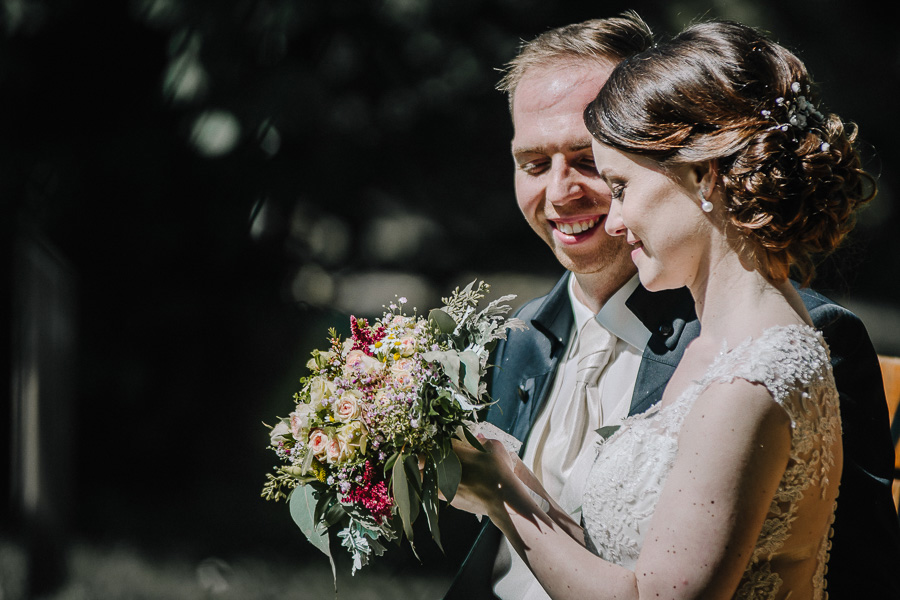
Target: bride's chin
(656,284)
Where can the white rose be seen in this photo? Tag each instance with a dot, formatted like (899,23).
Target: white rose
(279,432)
(381,398)
(353,437)
(320,389)
(300,419)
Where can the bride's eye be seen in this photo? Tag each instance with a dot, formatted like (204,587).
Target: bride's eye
(617,191)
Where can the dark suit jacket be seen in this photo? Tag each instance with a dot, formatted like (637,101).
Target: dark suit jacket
(865,555)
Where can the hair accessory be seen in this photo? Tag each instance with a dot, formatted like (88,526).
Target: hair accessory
(705,205)
(800,111)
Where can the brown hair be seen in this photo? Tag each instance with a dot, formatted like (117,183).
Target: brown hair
(596,40)
(721,91)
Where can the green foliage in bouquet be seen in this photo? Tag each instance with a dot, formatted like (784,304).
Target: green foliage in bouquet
(368,446)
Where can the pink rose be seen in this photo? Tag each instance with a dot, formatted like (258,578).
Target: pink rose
(359,361)
(401,370)
(407,345)
(318,442)
(333,450)
(347,407)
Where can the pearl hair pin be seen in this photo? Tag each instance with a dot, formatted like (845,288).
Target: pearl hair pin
(799,112)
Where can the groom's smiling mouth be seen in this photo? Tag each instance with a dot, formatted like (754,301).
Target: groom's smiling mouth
(577,227)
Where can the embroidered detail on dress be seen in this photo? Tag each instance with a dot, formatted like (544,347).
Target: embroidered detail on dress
(622,490)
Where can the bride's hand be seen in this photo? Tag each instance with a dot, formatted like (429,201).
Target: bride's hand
(485,475)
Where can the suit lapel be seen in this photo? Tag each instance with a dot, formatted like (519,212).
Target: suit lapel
(673,324)
(536,361)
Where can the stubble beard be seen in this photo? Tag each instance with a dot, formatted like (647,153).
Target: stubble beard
(609,269)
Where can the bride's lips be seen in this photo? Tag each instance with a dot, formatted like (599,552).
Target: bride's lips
(575,230)
(637,247)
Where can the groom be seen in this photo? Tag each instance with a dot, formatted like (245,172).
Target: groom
(565,377)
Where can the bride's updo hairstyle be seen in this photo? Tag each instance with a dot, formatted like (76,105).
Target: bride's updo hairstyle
(721,91)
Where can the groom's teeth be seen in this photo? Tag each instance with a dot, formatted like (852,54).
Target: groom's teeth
(575,228)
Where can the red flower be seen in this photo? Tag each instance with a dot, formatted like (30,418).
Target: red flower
(364,336)
(373,495)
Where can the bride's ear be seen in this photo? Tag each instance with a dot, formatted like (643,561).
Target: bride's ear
(704,177)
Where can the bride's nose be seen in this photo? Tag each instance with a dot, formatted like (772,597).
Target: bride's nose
(614,224)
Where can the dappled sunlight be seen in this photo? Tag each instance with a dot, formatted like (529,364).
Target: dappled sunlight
(185,79)
(399,237)
(215,133)
(367,293)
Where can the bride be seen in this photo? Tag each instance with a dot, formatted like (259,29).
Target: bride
(724,175)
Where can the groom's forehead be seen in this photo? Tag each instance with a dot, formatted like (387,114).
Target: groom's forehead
(545,85)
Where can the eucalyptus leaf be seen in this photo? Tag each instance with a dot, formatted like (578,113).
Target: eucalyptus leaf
(472,439)
(449,362)
(472,371)
(442,320)
(389,463)
(412,473)
(403,496)
(334,514)
(326,499)
(449,473)
(303,509)
(430,501)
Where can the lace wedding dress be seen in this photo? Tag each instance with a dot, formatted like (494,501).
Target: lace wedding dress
(632,466)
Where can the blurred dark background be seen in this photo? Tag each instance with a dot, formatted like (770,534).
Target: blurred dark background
(193,191)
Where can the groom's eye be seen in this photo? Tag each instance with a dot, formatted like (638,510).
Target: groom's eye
(534,167)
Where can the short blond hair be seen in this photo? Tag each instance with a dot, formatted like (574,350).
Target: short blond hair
(593,41)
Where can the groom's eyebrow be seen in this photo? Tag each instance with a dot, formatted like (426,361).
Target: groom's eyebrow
(578,147)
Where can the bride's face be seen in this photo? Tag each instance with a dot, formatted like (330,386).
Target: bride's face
(659,215)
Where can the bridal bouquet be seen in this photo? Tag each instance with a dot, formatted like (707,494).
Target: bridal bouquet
(367,447)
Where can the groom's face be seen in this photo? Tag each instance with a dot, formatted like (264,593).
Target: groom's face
(557,186)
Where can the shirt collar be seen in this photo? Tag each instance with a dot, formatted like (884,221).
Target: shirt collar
(614,316)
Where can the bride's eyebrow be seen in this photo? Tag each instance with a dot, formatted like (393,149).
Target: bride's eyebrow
(604,174)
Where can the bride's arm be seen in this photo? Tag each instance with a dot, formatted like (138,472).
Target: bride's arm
(478,470)
(733,450)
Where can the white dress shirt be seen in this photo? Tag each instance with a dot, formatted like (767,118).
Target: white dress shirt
(548,450)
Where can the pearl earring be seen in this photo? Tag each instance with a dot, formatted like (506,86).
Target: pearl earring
(705,205)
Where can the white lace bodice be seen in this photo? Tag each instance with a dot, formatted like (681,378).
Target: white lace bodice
(623,488)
